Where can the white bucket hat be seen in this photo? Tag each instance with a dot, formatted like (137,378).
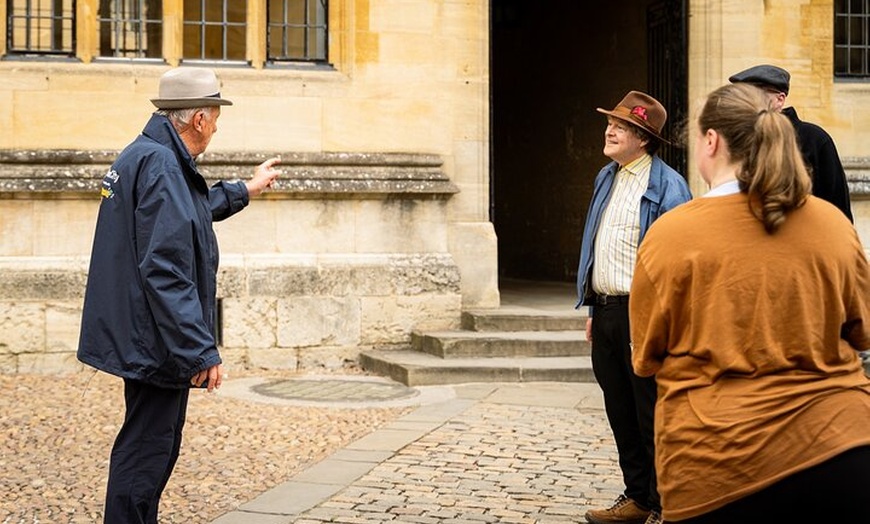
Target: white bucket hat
(187,87)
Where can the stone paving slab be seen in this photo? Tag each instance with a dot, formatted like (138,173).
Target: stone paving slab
(537,453)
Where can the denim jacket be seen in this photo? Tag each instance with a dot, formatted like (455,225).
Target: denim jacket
(667,189)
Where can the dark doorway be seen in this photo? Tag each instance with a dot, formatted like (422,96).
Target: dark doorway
(553,62)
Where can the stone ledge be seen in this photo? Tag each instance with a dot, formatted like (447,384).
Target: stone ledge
(306,175)
(858,175)
(59,278)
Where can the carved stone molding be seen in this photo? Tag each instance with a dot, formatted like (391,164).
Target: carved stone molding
(305,175)
(858,174)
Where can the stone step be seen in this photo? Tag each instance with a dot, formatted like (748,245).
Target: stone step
(415,368)
(505,344)
(522,319)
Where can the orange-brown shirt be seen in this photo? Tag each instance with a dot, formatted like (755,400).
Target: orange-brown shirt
(753,339)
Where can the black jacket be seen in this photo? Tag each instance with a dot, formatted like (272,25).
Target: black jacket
(150,302)
(823,161)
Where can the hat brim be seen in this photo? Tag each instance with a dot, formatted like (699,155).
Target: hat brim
(624,115)
(187,103)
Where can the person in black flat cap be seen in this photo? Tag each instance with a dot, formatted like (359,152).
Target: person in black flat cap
(630,193)
(150,301)
(816,145)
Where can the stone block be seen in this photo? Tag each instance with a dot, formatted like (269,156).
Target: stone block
(474,247)
(66,129)
(234,358)
(62,326)
(6,117)
(350,124)
(8,362)
(75,238)
(327,357)
(383,321)
(433,312)
(232,278)
(22,327)
(291,279)
(285,123)
(16,228)
(249,322)
(404,16)
(274,358)
(401,226)
(318,321)
(390,319)
(317,226)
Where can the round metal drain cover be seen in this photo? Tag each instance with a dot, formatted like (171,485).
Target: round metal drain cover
(334,390)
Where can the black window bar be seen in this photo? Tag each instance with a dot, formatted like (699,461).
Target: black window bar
(852,38)
(297,30)
(41,27)
(214,30)
(131,28)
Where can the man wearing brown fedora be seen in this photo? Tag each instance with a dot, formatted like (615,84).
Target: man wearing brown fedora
(150,302)
(630,193)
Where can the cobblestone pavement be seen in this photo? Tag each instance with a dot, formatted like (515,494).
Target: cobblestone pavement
(511,453)
(503,453)
(56,433)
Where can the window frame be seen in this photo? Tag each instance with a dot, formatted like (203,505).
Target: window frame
(28,52)
(86,27)
(307,28)
(140,35)
(842,43)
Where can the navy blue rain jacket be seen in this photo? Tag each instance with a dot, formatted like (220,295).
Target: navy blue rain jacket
(150,302)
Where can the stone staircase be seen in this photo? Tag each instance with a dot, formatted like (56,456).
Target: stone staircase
(535,335)
(508,344)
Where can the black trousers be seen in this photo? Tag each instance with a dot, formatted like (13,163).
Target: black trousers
(145,452)
(833,491)
(629,401)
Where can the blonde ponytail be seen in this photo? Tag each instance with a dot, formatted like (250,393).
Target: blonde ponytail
(763,141)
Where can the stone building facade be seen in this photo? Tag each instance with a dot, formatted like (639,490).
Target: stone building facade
(382,223)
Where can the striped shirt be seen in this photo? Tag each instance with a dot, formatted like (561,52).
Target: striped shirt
(619,232)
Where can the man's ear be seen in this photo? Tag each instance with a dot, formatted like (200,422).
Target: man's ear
(199,120)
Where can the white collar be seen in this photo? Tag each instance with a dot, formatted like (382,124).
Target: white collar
(726,188)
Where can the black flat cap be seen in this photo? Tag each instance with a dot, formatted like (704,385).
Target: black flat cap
(765,75)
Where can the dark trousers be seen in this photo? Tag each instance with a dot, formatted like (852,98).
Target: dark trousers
(833,491)
(629,401)
(144,453)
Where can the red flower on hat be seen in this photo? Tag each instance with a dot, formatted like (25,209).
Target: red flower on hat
(639,111)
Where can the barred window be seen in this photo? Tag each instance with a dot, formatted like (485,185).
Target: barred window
(41,27)
(131,28)
(253,32)
(852,38)
(214,30)
(296,30)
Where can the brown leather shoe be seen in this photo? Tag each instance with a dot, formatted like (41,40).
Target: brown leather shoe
(623,511)
(654,518)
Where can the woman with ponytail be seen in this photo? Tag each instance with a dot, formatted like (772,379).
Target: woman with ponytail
(750,306)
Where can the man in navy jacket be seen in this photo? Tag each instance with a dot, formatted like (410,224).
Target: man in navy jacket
(150,303)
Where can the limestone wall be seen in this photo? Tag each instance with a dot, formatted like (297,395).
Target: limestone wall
(347,251)
(277,312)
(380,224)
(730,35)
(406,76)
